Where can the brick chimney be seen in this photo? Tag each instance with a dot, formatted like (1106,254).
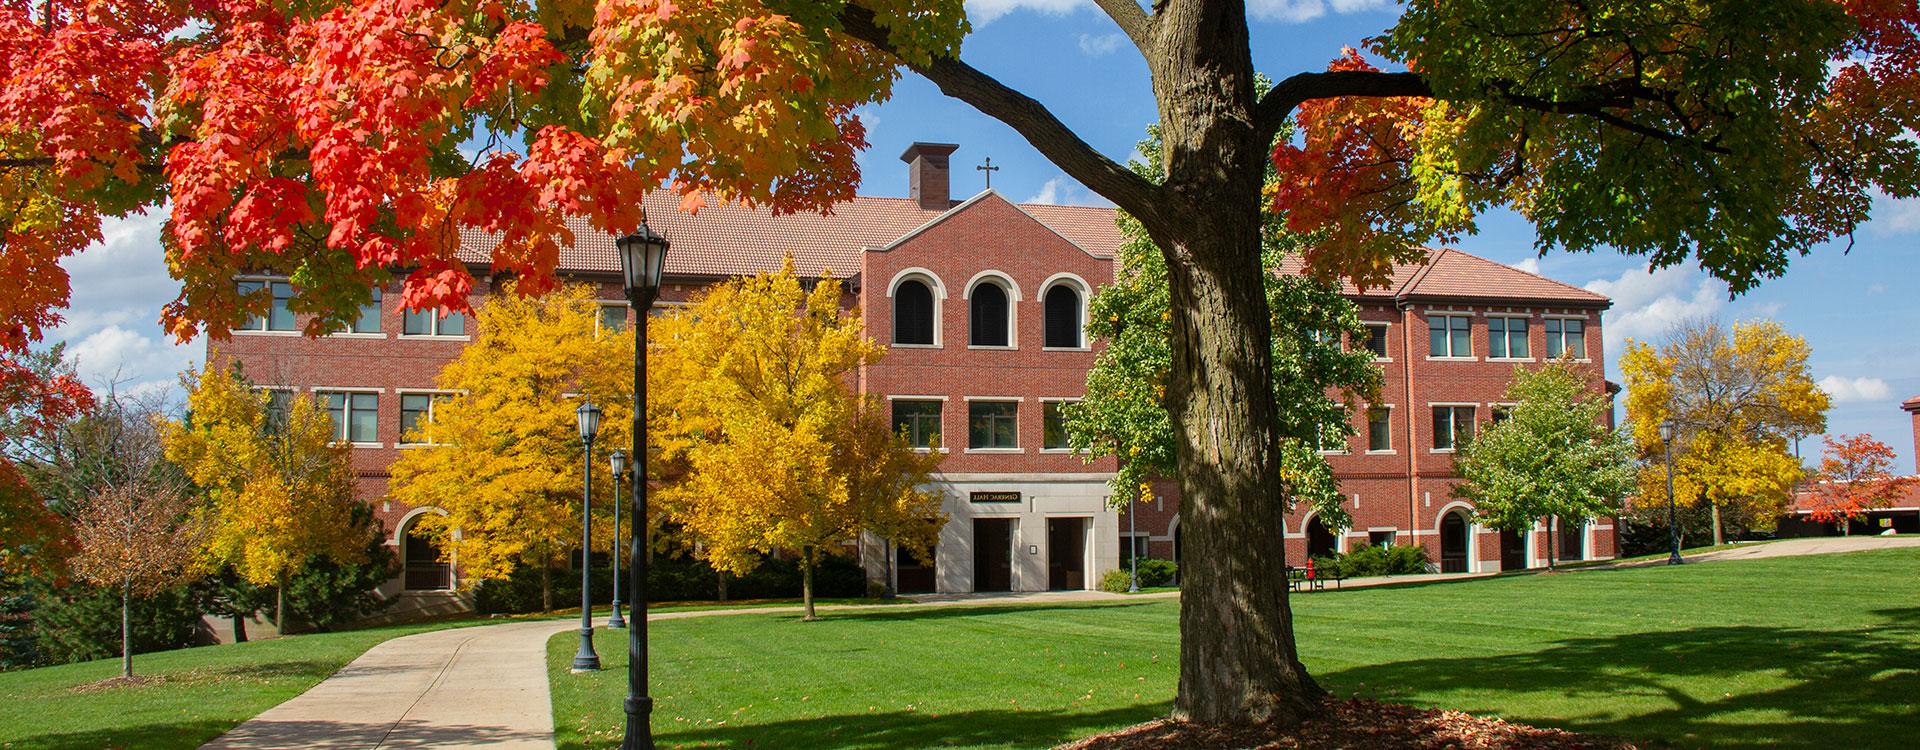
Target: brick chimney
(927,179)
(1912,406)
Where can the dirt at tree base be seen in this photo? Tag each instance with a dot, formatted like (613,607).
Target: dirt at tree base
(1355,724)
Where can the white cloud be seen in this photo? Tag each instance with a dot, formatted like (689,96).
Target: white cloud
(1896,215)
(1299,11)
(1101,45)
(1647,303)
(1064,191)
(983,12)
(112,324)
(1530,265)
(1846,390)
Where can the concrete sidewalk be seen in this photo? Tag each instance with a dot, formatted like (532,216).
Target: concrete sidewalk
(1819,545)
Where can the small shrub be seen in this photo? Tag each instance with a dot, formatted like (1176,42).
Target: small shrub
(1368,560)
(1116,581)
(1158,572)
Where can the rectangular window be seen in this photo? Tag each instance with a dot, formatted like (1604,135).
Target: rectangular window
(433,323)
(918,421)
(613,317)
(1501,413)
(278,317)
(1381,538)
(1507,338)
(1333,436)
(355,415)
(1377,340)
(1379,429)
(1452,426)
(369,320)
(1449,336)
(416,416)
(993,424)
(279,408)
(1566,338)
(1053,426)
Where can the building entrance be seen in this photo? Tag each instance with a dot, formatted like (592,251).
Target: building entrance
(1454,538)
(1066,554)
(1513,551)
(993,554)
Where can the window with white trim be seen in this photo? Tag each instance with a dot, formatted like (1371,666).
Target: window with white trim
(993,424)
(279,317)
(1063,317)
(355,415)
(989,316)
(416,416)
(918,421)
(434,323)
(1566,336)
(1377,340)
(1449,336)
(1507,338)
(368,321)
(1379,429)
(1452,427)
(913,318)
(1053,426)
(613,317)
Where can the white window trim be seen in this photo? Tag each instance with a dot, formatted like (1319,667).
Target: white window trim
(472,319)
(599,308)
(1515,360)
(346,429)
(1430,406)
(939,290)
(968,424)
(265,332)
(1390,451)
(1012,289)
(1081,289)
(1585,323)
(1387,337)
(991,398)
(403,392)
(943,418)
(899,397)
(1044,400)
(1468,357)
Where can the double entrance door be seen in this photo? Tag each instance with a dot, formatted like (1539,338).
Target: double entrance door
(994,548)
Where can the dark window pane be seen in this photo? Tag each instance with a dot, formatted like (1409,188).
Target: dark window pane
(1442,428)
(1496,337)
(363,425)
(1517,338)
(613,317)
(1554,346)
(417,323)
(919,421)
(369,320)
(1576,336)
(1063,317)
(1377,340)
(279,318)
(1053,426)
(1462,425)
(992,424)
(988,315)
(1437,337)
(913,314)
(415,410)
(336,405)
(1379,430)
(1462,338)
(455,324)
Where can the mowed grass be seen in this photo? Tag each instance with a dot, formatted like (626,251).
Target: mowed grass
(1820,651)
(193,694)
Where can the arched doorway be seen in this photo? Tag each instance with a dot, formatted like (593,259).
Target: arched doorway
(1320,541)
(424,570)
(1454,537)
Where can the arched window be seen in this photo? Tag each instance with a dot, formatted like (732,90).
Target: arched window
(913,313)
(1063,317)
(424,570)
(988,315)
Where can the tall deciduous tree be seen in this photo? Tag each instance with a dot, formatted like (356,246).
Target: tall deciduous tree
(502,456)
(137,540)
(1552,458)
(319,138)
(40,397)
(1855,476)
(778,451)
(1322,368)
(1737,398)
(278,489)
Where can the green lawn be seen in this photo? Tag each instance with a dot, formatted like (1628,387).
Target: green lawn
(1819,651)
(201,691)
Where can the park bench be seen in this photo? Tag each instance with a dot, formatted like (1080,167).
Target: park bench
(1310,579)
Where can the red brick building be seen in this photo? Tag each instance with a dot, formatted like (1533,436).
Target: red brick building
(982,304)
(1901,516)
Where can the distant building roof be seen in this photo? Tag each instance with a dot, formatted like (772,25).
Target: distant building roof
(727,239)
(1912,404)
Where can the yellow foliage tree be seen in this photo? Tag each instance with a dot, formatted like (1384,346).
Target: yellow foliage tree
(502,457)
(753,406)
(278,489)
(1737,398)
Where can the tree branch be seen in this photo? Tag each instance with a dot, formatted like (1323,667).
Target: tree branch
(1285,96)
(1030,118)
(1131,18)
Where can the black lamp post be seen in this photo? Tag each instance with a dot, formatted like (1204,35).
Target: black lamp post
(643,256)
(1673,524)
(585,660)
(618,463)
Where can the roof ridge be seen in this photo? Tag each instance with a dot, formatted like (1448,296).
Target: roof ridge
(1426,266)
(1541,277)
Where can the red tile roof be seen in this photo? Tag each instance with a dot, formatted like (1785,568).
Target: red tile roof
(1456,275)
(728,239)
(1803,500)
(1912,404)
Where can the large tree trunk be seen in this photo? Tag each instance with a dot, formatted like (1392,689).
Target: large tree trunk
(239,628)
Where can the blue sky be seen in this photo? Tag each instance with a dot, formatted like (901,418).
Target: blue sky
(1858,309)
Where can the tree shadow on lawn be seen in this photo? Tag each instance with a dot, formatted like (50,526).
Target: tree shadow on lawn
(1853,688)
(905,730)
(184,735)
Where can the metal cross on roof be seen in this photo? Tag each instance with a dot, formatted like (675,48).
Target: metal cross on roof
(988,168)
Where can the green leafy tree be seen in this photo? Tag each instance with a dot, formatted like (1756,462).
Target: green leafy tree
(1320,378)
(1553,457)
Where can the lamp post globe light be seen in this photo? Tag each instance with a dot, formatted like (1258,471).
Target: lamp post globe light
(643,258)
(1673,524)
(618,463)
(585,660)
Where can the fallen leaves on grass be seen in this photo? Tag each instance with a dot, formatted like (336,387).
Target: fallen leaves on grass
(1356,724)
(113,683)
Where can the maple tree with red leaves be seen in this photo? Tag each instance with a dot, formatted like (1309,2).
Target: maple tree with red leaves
(323,140)
(1855,477)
